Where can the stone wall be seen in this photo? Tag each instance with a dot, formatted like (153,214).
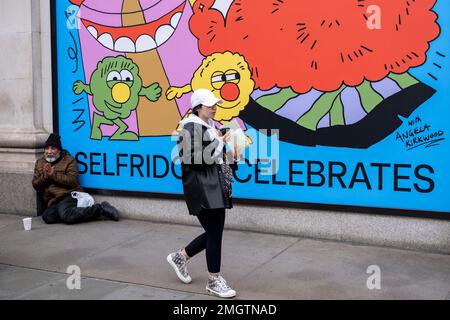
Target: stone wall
(25,98)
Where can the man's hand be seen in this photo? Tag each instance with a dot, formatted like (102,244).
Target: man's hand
(48,170)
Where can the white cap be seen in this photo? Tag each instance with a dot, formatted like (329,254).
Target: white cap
(204,97)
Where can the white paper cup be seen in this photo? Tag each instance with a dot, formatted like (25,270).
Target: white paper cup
(27,224)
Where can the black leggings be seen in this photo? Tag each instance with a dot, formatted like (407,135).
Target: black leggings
(212,221)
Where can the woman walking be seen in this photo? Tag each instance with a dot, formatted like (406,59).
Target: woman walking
(207,178)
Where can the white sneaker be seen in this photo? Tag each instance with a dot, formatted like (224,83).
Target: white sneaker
(219,287)
(179,263)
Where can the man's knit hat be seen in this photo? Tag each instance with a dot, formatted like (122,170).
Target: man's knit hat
(53,140)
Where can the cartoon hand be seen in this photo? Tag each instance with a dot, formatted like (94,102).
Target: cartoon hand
(153,92)
(79,87)
(175,92)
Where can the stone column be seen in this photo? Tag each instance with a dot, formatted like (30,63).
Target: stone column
(25,99)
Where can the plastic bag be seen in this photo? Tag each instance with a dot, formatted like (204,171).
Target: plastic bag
(84,199)
(238,138)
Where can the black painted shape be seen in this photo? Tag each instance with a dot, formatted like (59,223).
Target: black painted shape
(376,126)
(379,123)
(289,131)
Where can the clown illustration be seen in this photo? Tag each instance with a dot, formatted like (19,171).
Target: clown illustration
(116,87)
(228,76)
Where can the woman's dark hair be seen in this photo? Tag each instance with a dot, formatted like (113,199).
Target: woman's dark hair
(195,110)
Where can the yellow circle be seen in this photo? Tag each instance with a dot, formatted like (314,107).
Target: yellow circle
(121,93)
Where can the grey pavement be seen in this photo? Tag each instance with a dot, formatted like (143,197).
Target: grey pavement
(126,260)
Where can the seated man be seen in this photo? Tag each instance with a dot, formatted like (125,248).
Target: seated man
(56,176)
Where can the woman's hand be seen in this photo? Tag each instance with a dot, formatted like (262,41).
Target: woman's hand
(237,155)
(226,137)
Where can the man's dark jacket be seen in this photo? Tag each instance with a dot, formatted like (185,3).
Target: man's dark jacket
(63,181)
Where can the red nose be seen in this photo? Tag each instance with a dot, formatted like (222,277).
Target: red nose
(77,2)
(229,91)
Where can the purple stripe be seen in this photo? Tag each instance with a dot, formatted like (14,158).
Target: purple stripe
(353,110)
(386,87)
(324,122)
(259,93)
(298,106)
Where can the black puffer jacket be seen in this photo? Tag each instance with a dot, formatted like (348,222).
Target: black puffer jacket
(203,179)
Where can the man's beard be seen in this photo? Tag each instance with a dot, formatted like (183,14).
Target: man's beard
(51,159)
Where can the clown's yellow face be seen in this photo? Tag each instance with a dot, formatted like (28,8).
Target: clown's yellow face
(228,76)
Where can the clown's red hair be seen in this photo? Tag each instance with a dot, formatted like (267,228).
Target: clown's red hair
(319,44)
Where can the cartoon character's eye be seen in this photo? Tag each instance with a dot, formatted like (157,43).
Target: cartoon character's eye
(114,76)
(126,75)
(219,78)
(232,76)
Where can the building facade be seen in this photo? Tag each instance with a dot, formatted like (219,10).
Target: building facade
(39,95)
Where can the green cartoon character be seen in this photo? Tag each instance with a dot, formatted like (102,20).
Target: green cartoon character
(116,87)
